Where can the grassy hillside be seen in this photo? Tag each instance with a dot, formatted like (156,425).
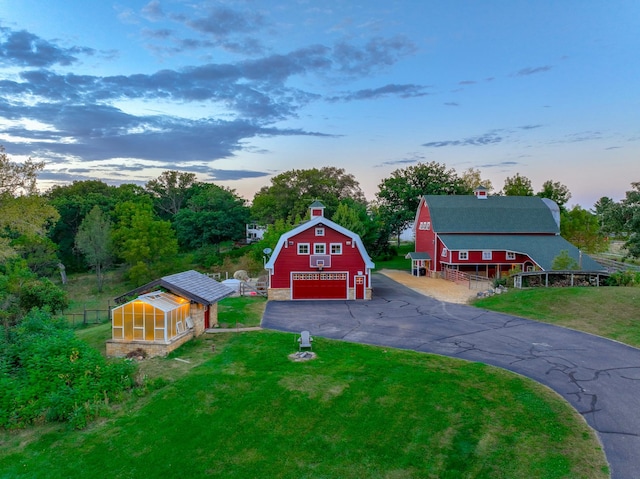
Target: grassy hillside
(611,312)
(246,410)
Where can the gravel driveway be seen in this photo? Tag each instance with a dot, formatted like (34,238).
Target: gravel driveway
(598,377)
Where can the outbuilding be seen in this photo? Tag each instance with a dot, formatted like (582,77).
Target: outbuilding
(165,314)
(319,259)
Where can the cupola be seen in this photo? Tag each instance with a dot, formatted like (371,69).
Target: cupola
(316,209)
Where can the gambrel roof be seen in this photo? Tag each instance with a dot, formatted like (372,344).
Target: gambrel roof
(495,214)
(194,286)
(319,221)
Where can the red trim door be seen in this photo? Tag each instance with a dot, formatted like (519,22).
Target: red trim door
(359,286)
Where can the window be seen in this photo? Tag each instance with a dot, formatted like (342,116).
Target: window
(319,231)
(463,255)
(511,255)
(303,248)
(319,248)
(486,255)
(445,251)
(424,225)
(336,248)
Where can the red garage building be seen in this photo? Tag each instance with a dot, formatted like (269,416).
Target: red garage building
(319,259)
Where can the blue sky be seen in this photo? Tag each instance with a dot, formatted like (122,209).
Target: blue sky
(238,91)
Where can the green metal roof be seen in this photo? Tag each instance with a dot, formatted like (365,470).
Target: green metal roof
(418,255)
(493,214)
(542,249)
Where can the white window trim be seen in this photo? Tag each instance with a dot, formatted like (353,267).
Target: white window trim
(315,248)
(445,251)
(308,248)
(338,246)
(319,231)
(511,255)
(463,255)
(487,255)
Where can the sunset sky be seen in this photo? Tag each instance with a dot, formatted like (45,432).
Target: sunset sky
(238,91)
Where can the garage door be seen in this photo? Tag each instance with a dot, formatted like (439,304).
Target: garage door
(319,285)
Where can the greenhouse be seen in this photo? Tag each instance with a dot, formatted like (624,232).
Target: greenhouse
(157,317)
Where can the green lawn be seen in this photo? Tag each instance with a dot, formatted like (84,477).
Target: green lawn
(247,411)
(611,312)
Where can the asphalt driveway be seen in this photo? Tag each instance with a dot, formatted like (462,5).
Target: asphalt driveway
(598,377)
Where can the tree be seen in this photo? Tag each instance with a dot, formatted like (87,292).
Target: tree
(517,186)
(22,211)
(73,202)
(94,241)
(631,214)
(472,179)
(170,191)
(18,179)
(348,218)
(142,240)
(21,290)
(580,227)
(213,214)
(610,216)
(564,262)
(399,195)
(291,193)
(556,191)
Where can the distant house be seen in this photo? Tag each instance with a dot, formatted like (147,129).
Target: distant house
(319,259)
(165,314)
(254,232)
(489,235)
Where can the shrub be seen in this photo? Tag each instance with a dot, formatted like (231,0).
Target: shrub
(623,278)
(48,374)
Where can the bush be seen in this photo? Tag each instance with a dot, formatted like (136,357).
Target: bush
(623,278)
(47,374)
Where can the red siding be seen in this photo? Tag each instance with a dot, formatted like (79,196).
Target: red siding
(289,260)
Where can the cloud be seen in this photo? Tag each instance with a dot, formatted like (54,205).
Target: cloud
(482,140)
(499,165)
(533,70)
(375,55)
(451,103)
(411,159)
(24,49)
(153,11)
(467,82)
(402,91)
(223,21)
(530,127)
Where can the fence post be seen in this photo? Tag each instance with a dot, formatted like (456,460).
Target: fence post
(84,316)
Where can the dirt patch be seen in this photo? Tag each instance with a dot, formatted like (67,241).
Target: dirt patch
(437,288)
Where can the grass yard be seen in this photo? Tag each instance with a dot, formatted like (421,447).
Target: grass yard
(246,411)
(611,312)
(241,311)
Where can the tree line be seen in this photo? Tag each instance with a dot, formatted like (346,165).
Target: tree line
(92,225)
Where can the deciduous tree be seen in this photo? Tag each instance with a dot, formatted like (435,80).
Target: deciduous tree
(212,215)
(22,210)
(170,191)
(517,186)
(580,227)
(399,195)
(556,191)
(292,192)
(94,241)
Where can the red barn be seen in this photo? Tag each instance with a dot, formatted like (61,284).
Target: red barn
(489,235)
(319,259)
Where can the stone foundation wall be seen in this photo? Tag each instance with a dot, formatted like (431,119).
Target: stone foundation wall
(119,349)
(279,294)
